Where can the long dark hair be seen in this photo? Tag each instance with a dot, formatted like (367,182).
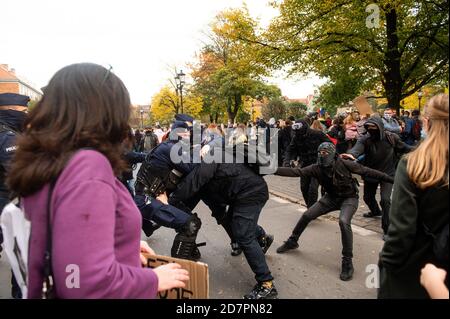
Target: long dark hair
(84,106)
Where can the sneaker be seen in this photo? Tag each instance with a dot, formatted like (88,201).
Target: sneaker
(265,242)
(235,249)
(261,292)
(288,245)
(371,215)
(347,269)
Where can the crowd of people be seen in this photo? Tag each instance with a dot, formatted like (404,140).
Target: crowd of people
(65,170)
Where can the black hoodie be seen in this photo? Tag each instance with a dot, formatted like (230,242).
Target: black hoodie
(380,154)
(304,144)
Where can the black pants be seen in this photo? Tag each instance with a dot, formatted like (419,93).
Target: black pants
(326,204)
(244,224)
(309,187)
(370,190)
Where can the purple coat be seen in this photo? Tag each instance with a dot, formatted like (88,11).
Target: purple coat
(96,229)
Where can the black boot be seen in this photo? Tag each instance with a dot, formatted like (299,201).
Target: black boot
(184,245)
(372,215)
(347,269)
(265,242)
(263,290)
(235,249)
(288,245)
(149,226)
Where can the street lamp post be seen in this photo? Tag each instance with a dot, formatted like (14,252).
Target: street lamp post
(179,80)
(142,118)
(420,95)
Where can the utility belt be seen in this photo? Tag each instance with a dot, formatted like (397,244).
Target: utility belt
(157,185)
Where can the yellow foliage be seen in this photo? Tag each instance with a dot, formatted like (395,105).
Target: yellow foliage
(166,103)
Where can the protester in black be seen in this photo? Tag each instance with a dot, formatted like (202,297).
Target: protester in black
(381,151)
(304,145)
(335,176)
(245,192)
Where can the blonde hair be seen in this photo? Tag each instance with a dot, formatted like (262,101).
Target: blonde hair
(349,120)
(428,164)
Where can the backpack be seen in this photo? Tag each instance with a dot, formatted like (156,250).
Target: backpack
(416,130)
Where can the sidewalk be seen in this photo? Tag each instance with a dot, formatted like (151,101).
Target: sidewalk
(289,188)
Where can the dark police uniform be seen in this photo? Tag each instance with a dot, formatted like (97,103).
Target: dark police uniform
(159,174)
(11,122)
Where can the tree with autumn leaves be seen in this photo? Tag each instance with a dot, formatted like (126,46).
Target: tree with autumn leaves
(166,103)
(393,47)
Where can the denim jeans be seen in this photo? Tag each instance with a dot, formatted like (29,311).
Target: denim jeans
(326,204)
(244,223)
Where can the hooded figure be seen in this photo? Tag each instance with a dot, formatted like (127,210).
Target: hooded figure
(335,176)
(380,149)
(304,145)
(326,155)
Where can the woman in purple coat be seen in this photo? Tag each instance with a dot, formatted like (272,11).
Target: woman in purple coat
(73,140)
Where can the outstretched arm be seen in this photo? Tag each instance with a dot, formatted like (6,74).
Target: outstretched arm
(311,170)
(359,169)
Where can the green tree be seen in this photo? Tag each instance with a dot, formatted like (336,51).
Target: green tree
(276,108)
(398,46)
(227,72)
(296,109)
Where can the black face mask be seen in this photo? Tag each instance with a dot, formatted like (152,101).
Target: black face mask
(326,161)
(374,134)
(13,119)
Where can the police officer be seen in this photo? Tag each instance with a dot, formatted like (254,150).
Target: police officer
(13,109)
(335,175)
(245,192)
(160,174)
(304,145)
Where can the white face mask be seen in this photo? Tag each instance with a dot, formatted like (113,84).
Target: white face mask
(387,116)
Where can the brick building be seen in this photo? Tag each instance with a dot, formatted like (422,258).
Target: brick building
(10,82)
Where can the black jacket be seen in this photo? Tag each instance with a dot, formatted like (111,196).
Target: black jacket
(7,149)
(285,137)
(223,184)
(305,147)
(380,154)
(408,247)
(340,183)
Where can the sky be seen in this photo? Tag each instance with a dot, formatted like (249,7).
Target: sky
(143,40)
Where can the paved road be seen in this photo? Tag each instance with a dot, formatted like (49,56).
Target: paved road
(309,272)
